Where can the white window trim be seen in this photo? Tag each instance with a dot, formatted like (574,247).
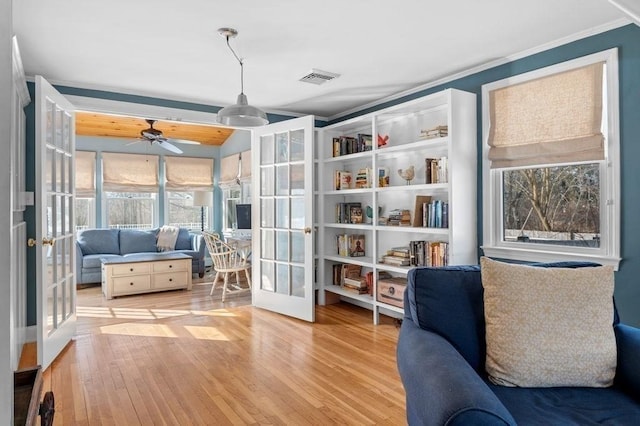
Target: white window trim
(609,251)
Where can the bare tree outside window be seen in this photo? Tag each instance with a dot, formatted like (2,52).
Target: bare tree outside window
(129,210)
(553,205)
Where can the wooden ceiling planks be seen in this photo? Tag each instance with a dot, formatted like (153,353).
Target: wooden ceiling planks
(107,125)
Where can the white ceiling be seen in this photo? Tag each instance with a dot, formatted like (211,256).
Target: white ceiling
(171,49)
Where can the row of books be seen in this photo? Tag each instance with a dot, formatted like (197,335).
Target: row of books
(436,132)
(428,253)
(436,170)
(435,214)
(345,145)
(345,270)
(351,245)
(349,213)
(343,179)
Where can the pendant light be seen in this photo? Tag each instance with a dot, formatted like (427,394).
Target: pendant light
(241,114)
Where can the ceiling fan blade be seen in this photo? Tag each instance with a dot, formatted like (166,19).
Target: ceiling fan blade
(135,141)
(184,141)
(166,145)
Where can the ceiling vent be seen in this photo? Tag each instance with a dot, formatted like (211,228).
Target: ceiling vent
(318,77)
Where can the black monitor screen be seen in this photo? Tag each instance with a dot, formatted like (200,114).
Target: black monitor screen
(243,216)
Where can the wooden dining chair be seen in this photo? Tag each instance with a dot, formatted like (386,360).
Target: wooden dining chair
(227,261)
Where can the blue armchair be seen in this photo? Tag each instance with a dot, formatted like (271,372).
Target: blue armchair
(441,354)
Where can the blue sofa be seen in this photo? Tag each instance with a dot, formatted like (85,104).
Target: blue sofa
(441,355)
(92,245)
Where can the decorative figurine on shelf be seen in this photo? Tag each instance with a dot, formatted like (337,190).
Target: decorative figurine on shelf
(382,140)
(407,174)
(368,212)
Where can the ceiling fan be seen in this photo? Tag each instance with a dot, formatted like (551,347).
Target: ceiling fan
(152,135)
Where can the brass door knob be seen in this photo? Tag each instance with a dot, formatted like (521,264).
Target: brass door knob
(31,242)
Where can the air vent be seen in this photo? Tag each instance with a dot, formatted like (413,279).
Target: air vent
(318,77)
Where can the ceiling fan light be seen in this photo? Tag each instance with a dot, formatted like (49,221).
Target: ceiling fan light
(242,114)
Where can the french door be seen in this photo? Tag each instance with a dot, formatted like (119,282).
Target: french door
(283,265)
(54,205)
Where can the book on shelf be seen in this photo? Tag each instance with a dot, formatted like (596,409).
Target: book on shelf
(436,214)
(418,210)
(365,142)
(336,147)
(341,271)
(356,245)
(342,179)
(435,132)
(436,170)
(383,177)
(351,245)
(399,217)
(344,212)
(358,282)
(398,252)
(363,178)
(395,260)
(355,214)
(428,253)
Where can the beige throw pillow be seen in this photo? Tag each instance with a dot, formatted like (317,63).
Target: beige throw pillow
(548,327)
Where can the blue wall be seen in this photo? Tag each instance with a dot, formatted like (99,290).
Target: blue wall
(626,39)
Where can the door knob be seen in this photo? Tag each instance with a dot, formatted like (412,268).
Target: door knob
(307,230)
(31,242)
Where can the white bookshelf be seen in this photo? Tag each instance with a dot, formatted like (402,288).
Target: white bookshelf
(403,124)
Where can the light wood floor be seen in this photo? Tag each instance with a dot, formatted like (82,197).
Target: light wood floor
(184,358)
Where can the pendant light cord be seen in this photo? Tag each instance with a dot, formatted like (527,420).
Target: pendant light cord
(241,65)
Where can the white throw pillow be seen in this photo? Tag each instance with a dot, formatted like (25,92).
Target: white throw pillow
(549,327)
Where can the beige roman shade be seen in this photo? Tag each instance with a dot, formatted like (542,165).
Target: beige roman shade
(245,165)
(129,172)
(550,120)
(85,174)
(229,167)
(189,174)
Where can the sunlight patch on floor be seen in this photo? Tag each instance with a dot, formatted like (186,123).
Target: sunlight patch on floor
(138,329)
(206,333)
(145,314)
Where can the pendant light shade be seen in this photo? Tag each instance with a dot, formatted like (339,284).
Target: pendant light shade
(241,114)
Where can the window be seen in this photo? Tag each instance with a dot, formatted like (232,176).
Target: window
(130,182)
(235,182)
(130,210)
(551,163)
(85,181)
(184,211)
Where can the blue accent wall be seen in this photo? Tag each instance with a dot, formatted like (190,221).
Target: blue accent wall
(626,39)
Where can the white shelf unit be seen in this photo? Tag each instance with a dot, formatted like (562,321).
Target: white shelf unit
(402,123)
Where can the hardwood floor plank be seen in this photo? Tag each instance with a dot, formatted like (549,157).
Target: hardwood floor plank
(183,357)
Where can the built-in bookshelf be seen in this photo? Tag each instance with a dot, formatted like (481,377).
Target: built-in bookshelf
(402,183)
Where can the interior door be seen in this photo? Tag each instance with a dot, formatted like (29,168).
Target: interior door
(54,203)
(283,265)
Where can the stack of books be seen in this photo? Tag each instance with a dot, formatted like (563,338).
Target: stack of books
(349,213)
(345,145)
(399,217)
(397,256)
(356,285)
(363,178)
(436,132)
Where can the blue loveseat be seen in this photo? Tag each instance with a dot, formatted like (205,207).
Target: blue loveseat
(441,356)
(92,245)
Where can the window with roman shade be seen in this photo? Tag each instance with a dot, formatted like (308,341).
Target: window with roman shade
(229,169)
(189,174)
(245,166)
(550,120)
(129,172)
(85,174)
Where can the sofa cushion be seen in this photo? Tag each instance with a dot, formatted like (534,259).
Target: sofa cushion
(431,293)
(184,240)
(92,261)
(99,241)
(568,405)
(136,241)
(548,326)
